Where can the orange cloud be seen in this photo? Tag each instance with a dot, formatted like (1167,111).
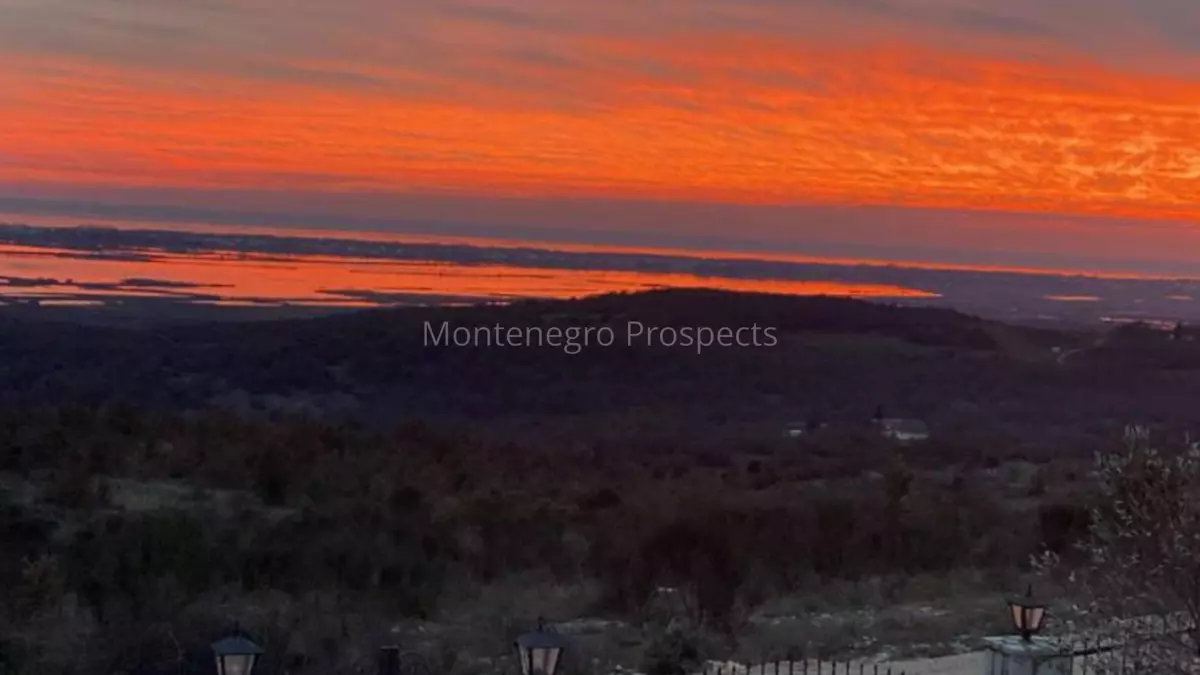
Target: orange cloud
(718,119)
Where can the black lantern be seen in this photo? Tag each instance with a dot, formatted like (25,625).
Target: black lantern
(540,652)
(1027,614)
(236,654)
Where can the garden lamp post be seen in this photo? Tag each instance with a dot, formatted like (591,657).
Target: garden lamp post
(1027,614)
(236,654)
(540,652)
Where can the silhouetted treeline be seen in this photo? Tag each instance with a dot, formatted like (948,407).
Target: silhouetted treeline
(838,359)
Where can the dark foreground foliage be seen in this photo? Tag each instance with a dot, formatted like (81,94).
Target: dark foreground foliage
(117,519)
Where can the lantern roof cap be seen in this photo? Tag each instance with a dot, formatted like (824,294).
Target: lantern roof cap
(234,645)
(542,638)
(1027,600)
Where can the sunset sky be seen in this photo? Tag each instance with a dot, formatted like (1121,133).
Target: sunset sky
(995,131)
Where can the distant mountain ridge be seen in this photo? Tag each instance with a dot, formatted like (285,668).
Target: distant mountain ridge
(1045,297)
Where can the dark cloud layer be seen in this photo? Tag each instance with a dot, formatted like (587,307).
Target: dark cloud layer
(421,34)
(909,234)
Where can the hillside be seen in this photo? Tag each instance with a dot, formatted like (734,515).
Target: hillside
(493,485)
(835,359)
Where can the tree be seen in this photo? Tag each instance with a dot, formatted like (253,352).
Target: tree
(1139,566)
(695,555)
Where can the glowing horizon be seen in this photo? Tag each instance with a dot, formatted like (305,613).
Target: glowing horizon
(957,106)
(335,280)
(513,243)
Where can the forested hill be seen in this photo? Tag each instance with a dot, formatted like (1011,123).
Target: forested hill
(836,359)
(360,352)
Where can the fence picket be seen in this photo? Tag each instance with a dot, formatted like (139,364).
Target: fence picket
(1089,654)
(1081,655)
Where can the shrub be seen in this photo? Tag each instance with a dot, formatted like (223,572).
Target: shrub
(672,652)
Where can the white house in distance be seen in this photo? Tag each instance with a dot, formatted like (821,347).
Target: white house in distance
(795,430)
(903,430)
(800,429)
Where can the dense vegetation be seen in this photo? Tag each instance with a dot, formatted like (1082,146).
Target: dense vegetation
(153,490)
(836,359)
(391,519)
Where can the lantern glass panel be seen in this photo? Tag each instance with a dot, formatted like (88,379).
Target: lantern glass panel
(1018,616)
(1033,620)
(237,664)
(540,660)
(549,662)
